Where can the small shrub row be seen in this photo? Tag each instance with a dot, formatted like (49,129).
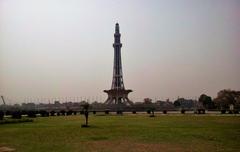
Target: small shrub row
(70,112)
(9,121)
(119,112)
(31,114)
(183,111)
(200,111)
(44,113)
(224,111)
(16,115)
(52,113)
(106,112)
(63,112)
(233,112)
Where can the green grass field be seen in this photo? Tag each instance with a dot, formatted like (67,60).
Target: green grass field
(127,133)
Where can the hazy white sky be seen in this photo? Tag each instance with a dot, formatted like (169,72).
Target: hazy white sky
(171,48)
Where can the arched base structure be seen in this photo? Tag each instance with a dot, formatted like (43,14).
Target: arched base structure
(118,97)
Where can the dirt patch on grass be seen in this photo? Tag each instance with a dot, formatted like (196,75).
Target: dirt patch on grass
(6,149)
(130,146)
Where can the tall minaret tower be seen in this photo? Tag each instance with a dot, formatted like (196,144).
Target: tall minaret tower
(117,81)
(117,94)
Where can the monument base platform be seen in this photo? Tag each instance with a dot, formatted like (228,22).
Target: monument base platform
(116,96)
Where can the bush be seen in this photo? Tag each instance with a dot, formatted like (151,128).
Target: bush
(75,112)
(119,112)
(1,115)
(58,113)
(236,112)
(24,112)
(94,112)
(230,112)
(8,113)
(70,112)
(44,113)
(183,111)
(31,114)
(134,112)
(63,112)
(52,113)
(200,111)
(81,112)
(148,111)
(223,111)
(16,115)
(106,112)
(164,111)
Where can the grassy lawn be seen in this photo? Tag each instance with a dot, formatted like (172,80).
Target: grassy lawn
(128,133)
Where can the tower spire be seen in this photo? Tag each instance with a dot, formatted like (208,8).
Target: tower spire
(117,81)
(117,30)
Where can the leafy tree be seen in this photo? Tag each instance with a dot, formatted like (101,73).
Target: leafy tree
(147,101)
(206,101)
(177,103)
(227,97)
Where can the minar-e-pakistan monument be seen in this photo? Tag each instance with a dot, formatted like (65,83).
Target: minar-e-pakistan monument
(117,94)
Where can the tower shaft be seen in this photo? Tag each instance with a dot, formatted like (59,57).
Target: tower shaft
(117,81)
